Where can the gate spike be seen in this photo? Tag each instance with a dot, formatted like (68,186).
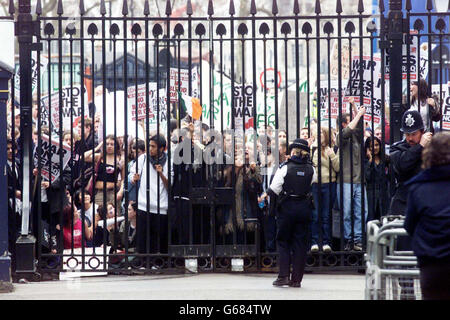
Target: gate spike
(231,10)
(429,5)
(102,7)
(60,10)
(274,7)
(189,11)
(12,9)
(210,8)
(338,6)
(296,7)
(253,7)
(381,6)
(168,8)
(146,8)
(318,10)
(360,6)
(125,8)
(82,10)
(408,6)
(38,7)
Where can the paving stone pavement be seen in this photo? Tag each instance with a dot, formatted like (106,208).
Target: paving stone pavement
(203,286)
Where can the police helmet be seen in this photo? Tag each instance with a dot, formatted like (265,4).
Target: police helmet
(299,143)
(411,122)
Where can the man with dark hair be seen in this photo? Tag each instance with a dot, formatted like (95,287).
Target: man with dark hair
(406,161)
(350,145)
(406,157)
(152,210)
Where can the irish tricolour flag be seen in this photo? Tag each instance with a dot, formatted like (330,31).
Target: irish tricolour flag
(191,105)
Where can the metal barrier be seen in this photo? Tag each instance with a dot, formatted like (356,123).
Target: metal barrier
(390,274)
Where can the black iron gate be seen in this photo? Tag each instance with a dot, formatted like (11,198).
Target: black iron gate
(211,103)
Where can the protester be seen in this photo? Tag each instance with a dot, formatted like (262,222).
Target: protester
(73,228)
(376,178)
(350,146)
(326,191)
(152,216)
(427,106)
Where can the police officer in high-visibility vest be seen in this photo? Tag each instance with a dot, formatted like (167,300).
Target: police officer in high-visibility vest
(292,185)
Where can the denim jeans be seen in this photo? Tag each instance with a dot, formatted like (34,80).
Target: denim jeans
(326,204)
(347,198)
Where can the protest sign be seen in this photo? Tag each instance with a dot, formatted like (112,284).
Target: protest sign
(445,95)
(371,85)
(179,81)
(243,107)
(49,157)
(71,108)
(411,57)
(329,99)
(35,69)
(346,51)
(221,103)
(139,112)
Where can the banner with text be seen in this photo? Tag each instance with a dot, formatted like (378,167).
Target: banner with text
(50,157)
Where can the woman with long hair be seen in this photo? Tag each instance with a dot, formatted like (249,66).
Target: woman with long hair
(427,106)
(329,164)
(108,168)
(376,178)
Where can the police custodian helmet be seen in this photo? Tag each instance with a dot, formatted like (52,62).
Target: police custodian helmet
(299,143)
(411,122)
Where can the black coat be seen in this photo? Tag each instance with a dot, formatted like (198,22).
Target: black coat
(428,214)
(406,162)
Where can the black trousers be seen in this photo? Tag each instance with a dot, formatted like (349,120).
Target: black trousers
(435,280)
(154,227)
(293,223)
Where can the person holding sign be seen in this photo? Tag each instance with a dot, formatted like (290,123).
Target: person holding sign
(350,145)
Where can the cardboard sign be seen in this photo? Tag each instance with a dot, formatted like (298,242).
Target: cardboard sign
(329,99)
(370,67)
(71,108)
(179,81)
(34,74)
(139,112)
(413,58)
(49,156)
(445,103)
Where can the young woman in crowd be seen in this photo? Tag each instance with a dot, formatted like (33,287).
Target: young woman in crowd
(376,178)
(73,228)
(329,166)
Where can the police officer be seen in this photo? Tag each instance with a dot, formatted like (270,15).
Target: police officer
(406,161)
(292,185)
(406,158)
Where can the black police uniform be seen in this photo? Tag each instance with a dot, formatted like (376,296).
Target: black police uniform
(406,161)
(293,215)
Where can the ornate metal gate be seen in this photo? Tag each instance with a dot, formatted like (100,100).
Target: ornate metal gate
(211,102)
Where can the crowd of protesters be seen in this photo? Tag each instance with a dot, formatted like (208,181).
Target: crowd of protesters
(131,198)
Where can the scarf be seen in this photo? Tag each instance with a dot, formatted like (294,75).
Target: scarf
(161,160)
